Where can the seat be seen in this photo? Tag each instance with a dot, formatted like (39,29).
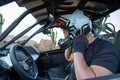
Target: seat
(57,73)
(117,39)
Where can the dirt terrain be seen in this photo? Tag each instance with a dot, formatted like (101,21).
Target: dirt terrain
(42,45)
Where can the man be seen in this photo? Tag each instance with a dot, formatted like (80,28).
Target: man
(92,57)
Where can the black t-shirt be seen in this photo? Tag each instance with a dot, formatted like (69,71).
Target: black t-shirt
(103,53)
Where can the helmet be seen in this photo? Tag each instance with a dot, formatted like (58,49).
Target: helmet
(77,24)
(81,22)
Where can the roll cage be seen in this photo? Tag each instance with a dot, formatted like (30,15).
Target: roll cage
(97,10)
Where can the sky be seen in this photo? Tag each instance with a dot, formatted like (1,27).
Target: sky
(12,11)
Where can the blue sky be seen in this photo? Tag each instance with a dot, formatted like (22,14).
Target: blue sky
(12,11)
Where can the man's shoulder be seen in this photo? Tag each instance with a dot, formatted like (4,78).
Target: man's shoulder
(102,42)
(105,45)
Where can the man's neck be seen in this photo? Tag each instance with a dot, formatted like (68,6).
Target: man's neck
(90,38)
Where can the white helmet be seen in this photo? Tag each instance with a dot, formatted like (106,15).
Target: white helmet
(79,20)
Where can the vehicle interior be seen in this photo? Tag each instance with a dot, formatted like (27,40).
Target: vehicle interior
(22,62)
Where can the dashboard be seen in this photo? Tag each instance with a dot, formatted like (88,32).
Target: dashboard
(5,61)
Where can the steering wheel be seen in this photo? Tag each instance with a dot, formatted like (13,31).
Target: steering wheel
(23,63)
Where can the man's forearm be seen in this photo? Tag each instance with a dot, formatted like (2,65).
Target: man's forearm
(81,69)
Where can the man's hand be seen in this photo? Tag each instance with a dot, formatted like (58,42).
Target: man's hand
(68,51)
(79,44)
(68,55)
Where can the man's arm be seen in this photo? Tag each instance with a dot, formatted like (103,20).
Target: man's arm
(68,55)
(83,71)
(68,51)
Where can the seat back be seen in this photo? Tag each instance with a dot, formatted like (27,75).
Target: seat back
(117,39)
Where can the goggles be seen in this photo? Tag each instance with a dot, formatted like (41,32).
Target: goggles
(61,23)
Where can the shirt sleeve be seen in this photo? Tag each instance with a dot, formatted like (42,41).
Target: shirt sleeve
(107,56)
